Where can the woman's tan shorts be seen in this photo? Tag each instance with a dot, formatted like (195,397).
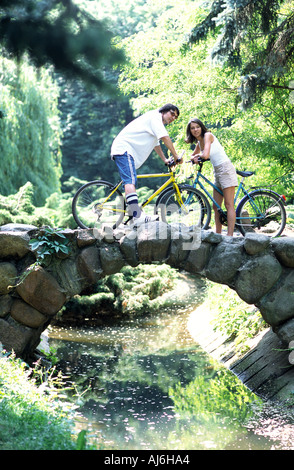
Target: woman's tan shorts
(225,175)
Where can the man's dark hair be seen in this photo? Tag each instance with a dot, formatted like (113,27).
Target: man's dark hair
(169,107)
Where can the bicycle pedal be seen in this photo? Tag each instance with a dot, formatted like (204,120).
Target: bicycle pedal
(128,220)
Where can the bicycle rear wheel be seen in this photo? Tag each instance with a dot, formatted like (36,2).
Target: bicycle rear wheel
(98,203)
(193,209)
(261,212)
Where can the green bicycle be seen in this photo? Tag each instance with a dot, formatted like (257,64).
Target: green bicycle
(260,210)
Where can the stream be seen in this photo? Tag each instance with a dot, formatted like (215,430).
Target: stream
(145,384)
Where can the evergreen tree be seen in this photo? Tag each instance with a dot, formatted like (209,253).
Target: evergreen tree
(91,119)
(29,130)
(58,32)
(256,37)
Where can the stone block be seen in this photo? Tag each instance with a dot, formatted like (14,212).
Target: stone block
(5,305)
(111,259)
(153,241)
(88,265)
(27,315)
(285,332)
(197,259)
(277,306)
(211,237)
(255,243)
(41,290)
(14,337)
(8,276)
(128,247)
(85,238)
(14,244)
(256,277)
(67,275)
(284,250)
(225,262)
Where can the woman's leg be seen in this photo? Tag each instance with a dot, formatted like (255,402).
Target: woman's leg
(219,199)
(229,194)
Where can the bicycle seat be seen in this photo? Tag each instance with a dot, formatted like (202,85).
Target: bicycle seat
(245,173)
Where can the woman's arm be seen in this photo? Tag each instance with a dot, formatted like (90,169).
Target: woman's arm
(205,153)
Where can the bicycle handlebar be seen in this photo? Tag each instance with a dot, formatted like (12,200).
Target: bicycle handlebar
(200,160)
(172,162)
(178,160)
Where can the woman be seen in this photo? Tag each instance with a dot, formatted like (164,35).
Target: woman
(208,147)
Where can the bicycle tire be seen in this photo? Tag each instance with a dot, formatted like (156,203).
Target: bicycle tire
(199,212)
(89,209)
(262,212)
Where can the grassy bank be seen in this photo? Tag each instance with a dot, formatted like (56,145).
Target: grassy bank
(33,414)
(232,317)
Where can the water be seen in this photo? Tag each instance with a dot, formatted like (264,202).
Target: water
(145,384)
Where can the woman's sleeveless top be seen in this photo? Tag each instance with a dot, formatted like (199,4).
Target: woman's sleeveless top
(217,153)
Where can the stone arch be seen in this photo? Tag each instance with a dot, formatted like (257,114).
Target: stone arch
(258,268)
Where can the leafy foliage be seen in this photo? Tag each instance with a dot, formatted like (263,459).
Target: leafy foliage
(32,415)
(254,36)
(163,67)
(133,291)
(90,120)
(233,317)
(221,396)
(19,208)
(29,130)
(59,33)
(49,242)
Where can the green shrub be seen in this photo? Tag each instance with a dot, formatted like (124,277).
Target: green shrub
(32,416)
(223,395)
(233,317)
(19,209)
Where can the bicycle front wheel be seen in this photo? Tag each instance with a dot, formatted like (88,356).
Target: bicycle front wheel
(190,207)
(261,212)
(97,203)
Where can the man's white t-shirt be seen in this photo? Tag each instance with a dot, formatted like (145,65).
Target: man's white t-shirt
(140,137)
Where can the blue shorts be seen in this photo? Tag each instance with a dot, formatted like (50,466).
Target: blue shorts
(126,167)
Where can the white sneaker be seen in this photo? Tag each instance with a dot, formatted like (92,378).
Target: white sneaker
(144,219)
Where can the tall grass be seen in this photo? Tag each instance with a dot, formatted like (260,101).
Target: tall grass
(33,412)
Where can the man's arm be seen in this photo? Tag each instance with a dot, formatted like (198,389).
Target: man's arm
(159,152)
(168,143)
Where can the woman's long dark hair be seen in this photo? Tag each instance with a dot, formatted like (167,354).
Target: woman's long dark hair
(189,137)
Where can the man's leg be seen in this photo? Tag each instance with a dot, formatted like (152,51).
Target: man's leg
(127,171)
(132,200)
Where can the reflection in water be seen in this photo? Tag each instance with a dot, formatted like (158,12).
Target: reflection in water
(145,384)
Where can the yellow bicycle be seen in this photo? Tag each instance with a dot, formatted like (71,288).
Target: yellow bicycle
(101,202)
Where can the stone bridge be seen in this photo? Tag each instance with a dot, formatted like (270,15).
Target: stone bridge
(258,268)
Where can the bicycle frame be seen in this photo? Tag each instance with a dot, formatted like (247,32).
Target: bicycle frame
(156,193)
(240,188)
(171,180)
(197,181)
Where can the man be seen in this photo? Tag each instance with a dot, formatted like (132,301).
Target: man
(132,147)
